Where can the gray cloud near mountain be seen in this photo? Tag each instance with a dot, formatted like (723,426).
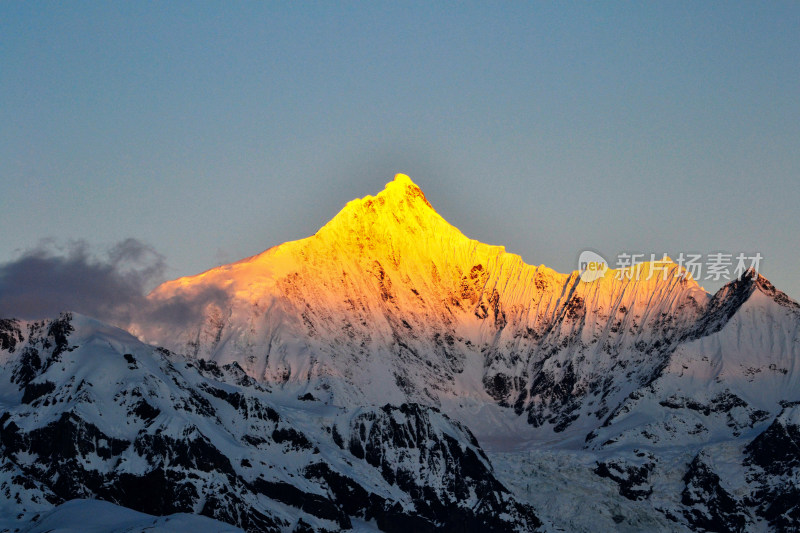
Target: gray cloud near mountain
(111,285)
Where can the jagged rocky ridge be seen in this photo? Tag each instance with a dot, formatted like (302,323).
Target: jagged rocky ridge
(389,302)
(87,411)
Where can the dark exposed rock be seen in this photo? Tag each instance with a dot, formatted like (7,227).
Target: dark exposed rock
(631,478)
(145,411)
(59,330)
(28,367)
(384,434)
(313,504)
(192,452)
(709,506)
(248,406)
(774,458)
(131,361)
(34,391)
(777,449)
(10,334)
(297,440)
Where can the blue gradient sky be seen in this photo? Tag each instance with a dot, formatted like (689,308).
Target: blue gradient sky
(215,130)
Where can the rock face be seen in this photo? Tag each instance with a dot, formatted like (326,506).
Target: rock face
(90,412)
(773,461)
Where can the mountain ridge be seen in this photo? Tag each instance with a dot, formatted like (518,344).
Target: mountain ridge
(388,301)
(399,375)
(88,411)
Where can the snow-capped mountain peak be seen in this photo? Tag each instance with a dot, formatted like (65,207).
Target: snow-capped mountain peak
(389,302)
(425,357)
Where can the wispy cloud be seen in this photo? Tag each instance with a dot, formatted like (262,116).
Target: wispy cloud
(111,285)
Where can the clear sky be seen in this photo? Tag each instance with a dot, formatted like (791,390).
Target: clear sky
(213,131)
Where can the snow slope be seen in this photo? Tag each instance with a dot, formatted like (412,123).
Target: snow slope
(95,516)
(88,411)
